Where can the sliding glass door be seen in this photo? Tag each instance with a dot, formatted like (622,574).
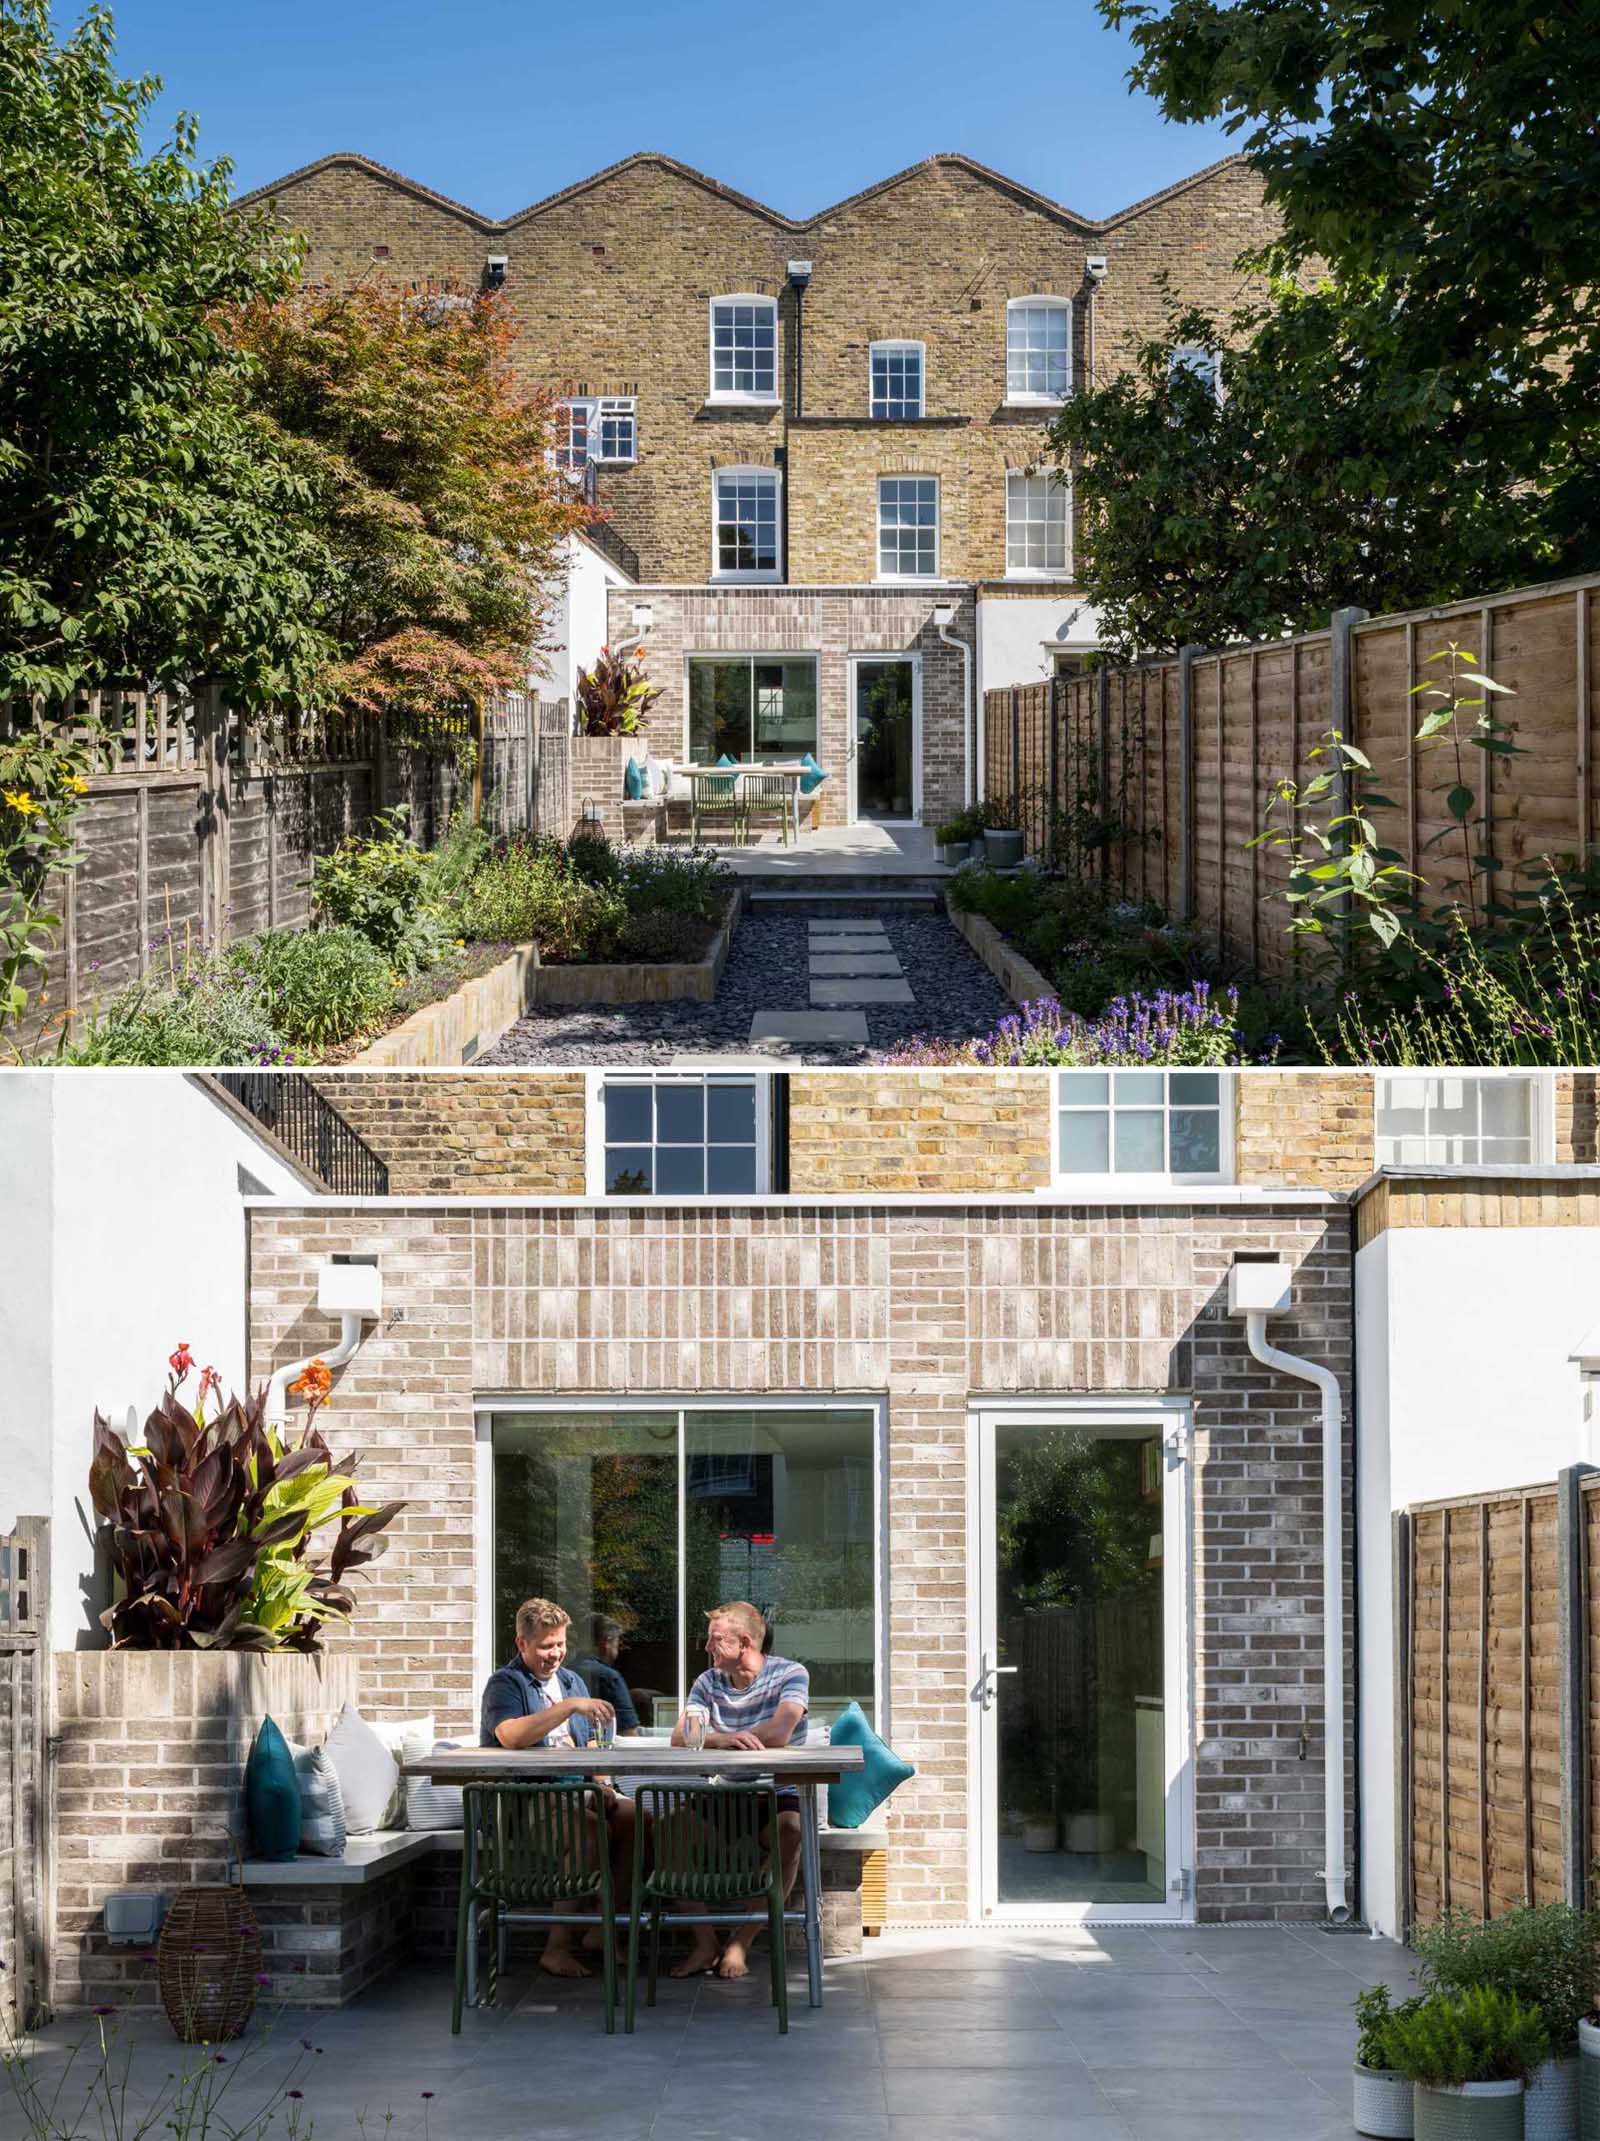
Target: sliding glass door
(1080,1687)
(654,1516)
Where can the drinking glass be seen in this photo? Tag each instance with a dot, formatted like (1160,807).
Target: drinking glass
(603,1730)
(694,1728)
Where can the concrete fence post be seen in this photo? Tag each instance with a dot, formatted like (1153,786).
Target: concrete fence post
(1342,716)
(1572,1655)
(1186,658)
(1103,711)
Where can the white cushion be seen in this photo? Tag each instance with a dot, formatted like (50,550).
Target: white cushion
(407,1738)
(322,1823)
(368,1772)
(430,1805)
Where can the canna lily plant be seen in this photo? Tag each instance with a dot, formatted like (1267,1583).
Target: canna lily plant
(213,1523)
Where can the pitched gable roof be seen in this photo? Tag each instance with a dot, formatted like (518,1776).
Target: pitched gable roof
(949,159)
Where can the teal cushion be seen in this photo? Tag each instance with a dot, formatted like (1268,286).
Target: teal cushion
(853,1799)
(633,782)
(272,1795)
(813,777)
(725,760)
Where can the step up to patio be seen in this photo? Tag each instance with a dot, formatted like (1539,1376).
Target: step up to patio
(831,896)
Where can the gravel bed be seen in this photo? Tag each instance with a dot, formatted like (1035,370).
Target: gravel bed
(956,998)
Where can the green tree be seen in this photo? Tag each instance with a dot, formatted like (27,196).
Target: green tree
(1445,156)
(1330,471)
(149,529)
(425,466)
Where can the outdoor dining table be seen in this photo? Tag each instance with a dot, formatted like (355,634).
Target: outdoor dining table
(790,770)
(646,1760)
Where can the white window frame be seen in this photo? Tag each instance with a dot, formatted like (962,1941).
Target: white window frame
(774,476)
(911,579)
(1024,398)
(897,348)
(1181,356)
(488,1404)
(597,410)
(1541,1117)
(742,397)
(1112,1179)
(1063,485)
(594,1143)
(752,661)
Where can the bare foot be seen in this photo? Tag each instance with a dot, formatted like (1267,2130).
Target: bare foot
(700,1958)
(733,1963)
(561,1962)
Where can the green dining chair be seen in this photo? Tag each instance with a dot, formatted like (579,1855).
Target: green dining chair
(707,1850)
(768,792)
(717,796)
(534,1846)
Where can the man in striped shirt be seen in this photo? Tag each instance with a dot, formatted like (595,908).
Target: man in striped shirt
(750,1701)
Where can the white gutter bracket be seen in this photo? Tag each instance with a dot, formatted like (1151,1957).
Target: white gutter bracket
(1257,1290)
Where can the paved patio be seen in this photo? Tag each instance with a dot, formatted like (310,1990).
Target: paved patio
(1120,2034)
(864,850)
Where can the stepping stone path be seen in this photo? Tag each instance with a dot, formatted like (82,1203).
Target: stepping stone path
(850,962)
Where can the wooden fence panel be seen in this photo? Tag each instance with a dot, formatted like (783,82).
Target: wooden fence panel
(1483,1700)
(1255,715)
(24,1834)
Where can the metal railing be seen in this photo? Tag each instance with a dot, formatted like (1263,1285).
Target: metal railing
(315,1132)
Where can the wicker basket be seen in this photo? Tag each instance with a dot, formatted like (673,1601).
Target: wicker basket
(209,1960)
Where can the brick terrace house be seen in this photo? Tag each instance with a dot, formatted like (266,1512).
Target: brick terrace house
(946,1372)
(817,441)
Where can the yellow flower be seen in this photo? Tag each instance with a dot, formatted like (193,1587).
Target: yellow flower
(77,783)
(20,801)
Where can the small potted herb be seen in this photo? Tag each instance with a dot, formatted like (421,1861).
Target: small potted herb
(1470,2055)
(1382,2097)
(955,837)
(1548,1957)
(1002,832)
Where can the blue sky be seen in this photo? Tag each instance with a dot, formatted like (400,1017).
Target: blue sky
(498,102)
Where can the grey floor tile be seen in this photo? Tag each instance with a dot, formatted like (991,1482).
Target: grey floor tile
(1090,2117)
(965,2048)
(1022,2093)
(1013,2014)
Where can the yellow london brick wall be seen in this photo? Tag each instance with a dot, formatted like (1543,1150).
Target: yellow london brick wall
(610,284)
(468,1133)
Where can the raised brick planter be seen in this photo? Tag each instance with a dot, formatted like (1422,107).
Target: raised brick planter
(462,1025)
(1022,982)
(640,984)
(149,1783)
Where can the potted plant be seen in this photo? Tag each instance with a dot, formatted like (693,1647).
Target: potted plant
(1382,2104)
(1002,833)
(1548,1957)
(1470,2054)
(955,837)
(1030,1786)
(615,695)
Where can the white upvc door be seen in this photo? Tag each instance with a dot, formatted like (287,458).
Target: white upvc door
(884,740)
(1080,1692)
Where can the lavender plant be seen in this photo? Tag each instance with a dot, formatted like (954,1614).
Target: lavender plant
(1174,1027)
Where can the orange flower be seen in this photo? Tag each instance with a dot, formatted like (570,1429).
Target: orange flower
(314,1381)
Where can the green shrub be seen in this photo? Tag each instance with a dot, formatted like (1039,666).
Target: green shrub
(1374,2019)
(526,894)
(1545,1955)
(319,986)
(384,887)
(692,881)
(591,857)
(1478,2035)
(664,938)
(209,1016)
(965,825)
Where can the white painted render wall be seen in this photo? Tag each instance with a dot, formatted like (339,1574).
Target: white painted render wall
(577,628)
(1463,1386)
(1013,631)
(125,1189)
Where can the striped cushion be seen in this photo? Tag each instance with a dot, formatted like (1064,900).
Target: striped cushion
(433,1806)
(321,1802)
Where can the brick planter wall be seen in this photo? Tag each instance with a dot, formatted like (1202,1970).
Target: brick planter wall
(926,1306)
(149,1780)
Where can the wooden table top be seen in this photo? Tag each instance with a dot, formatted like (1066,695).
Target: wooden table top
(791,769)
(637,1758)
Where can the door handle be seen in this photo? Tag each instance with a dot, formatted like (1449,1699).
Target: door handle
(988,1674)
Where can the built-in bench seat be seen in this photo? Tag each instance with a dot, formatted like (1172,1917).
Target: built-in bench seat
(332,1926)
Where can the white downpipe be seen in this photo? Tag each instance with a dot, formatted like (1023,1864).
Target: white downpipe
(1335,1873)
(968,717)
(277,1410)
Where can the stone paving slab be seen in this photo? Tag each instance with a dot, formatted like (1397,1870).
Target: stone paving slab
(867,989)
(823,963)
(816,1029)
(846,925)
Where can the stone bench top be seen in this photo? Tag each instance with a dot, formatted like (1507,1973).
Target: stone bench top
(369,1858)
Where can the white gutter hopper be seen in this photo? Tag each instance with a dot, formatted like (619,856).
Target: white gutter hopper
(1255,1292)
(353,1293)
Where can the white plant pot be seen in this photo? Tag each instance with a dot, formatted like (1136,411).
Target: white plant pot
(1476,2111)
(1091,1831)
(1382,2104)
(1550,2107)
(1039,1834)
(1589,2080)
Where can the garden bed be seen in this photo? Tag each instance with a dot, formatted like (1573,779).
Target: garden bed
(1021,980)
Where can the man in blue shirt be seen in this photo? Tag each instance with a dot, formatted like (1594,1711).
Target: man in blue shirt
(598,1665)
(536,1700)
